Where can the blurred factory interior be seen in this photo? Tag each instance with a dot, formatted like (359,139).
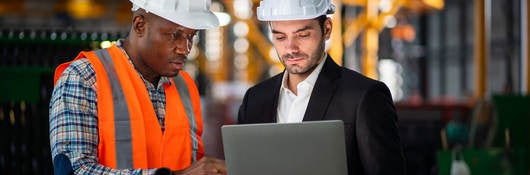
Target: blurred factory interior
(458,71)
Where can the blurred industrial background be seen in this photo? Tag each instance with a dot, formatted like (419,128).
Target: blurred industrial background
(458,71)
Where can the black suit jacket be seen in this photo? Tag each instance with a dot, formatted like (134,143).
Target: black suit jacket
(365,105)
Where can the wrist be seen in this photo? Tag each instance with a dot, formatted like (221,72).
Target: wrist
(163,171)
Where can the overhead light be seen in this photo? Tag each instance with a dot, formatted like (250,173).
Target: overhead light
(241,29)
(390,21)
(243,9)
(437,4)
(241,45)
(105,44)
(385,5)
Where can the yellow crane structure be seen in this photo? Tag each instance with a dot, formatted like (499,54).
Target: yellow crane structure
(367,24)
(371,21)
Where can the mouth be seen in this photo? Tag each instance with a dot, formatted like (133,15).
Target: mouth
(294,60)
(178,63)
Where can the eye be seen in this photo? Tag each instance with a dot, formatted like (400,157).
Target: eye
(175,36)
(181,35)
(279,37)
(304,35)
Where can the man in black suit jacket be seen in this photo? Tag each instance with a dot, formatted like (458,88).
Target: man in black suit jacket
(314,87)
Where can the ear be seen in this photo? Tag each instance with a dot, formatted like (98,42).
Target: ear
(327,28)
(139,26)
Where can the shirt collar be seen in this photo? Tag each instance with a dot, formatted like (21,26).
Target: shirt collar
(311,79)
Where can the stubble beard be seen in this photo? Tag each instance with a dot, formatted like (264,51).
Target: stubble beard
(299,69)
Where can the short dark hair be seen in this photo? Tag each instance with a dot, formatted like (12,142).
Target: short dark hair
(321,19)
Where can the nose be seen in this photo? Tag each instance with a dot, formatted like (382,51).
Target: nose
(183,46)
(292,45)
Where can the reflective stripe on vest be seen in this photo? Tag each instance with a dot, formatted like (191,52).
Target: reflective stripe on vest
(121,114)
(182,88)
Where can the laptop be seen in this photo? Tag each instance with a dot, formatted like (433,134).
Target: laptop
(305,148)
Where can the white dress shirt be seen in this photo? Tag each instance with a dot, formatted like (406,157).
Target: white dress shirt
(292,107)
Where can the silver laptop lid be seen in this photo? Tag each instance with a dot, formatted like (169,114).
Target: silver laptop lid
(306,148)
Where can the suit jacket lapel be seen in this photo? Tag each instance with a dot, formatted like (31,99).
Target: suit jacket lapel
(323,91)
(275,96)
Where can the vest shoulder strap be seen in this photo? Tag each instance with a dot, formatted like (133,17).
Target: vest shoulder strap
(122,121)
(184,93)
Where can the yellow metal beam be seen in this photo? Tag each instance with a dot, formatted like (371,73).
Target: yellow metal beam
(336,49)
(480,49)
(369,55)
(361,22)
(354,2)
(370,40)
(254,67)
(354,29)
(436,4)
(371,22)
(257,39)
(382,17)
(423,6)
(414,5)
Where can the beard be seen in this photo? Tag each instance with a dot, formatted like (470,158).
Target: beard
(313,60)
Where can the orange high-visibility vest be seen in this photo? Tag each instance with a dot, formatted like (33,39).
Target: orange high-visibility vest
(130,135)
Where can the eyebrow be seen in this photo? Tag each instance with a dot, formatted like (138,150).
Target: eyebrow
(299,30)
(181,30)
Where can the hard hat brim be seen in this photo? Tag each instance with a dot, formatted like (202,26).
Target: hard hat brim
(286,17)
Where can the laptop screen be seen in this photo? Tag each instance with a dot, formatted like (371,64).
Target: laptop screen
(315,147)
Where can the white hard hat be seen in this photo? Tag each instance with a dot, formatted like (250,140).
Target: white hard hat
(194,14)
(282,10)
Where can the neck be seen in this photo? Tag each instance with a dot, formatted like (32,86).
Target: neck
(294,79)
(138,64)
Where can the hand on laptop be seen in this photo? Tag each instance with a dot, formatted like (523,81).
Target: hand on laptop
(206,165)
